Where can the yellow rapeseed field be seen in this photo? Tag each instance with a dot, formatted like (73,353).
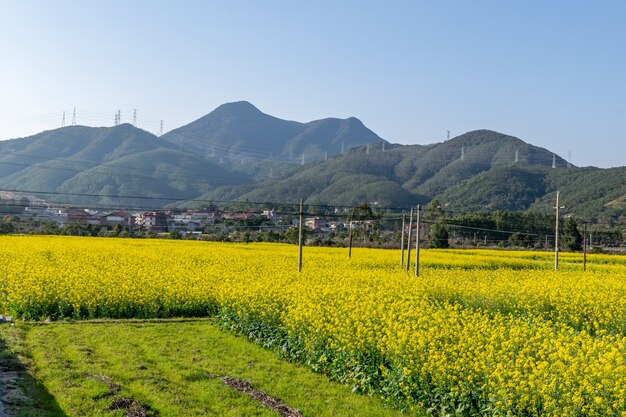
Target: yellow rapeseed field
(478,333)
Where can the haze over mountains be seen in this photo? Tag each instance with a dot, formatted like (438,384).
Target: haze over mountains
(238,153)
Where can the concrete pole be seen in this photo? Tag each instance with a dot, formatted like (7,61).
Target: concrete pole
(300,236)
(417,242)
(402,239)
(408,250)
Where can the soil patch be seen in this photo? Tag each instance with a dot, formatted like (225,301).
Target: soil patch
(272,402)
(113,387)
(131,407)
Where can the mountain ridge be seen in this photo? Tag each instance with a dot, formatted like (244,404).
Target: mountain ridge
(328,161)
(240,130)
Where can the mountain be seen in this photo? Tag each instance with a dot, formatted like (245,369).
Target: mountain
(420,172)
(238,132)
(477,171)
(236,153)
(98,163)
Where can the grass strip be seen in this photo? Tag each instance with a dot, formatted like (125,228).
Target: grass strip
(169,368)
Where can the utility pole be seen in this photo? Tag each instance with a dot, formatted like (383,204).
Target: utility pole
(300,236)
(402,239)
(556,233)
(350,239)
(417,242)
(408,249)
(585,248)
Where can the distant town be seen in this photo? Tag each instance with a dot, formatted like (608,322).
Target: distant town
(358,226)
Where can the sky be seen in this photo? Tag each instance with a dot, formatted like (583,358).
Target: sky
(552,73)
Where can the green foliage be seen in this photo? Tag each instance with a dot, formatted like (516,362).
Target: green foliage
(572,239)
(175,233)
(438,236)
(6,228)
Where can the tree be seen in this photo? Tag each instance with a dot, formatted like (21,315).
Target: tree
(438,236)
(72,229)
(6,228)
(50,228)
(435,209)
(175,233)
(572,239)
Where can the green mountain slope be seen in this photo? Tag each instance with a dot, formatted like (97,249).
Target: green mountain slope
(590,193)
(500,188)
(240,132)
(150,179)
(238,153)
(115,161)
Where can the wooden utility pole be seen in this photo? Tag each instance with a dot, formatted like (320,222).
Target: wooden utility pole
(556,233)
(402,239)
(300,236)
(585,248)
(350,239)
(408,249)
(417,242)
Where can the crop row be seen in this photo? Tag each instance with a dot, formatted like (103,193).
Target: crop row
(478,333)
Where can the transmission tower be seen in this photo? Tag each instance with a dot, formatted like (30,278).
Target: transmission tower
(63,121)
(74,117)
(448,134)
(553,160)
(135,117)
(569,159)
(462,153)
(161,133)
(516,156)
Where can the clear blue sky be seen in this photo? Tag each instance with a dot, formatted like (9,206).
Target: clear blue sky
(552,73)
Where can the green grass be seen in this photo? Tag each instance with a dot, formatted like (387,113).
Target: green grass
(174,367)
(21,395)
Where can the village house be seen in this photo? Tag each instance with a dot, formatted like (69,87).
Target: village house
(152,220)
